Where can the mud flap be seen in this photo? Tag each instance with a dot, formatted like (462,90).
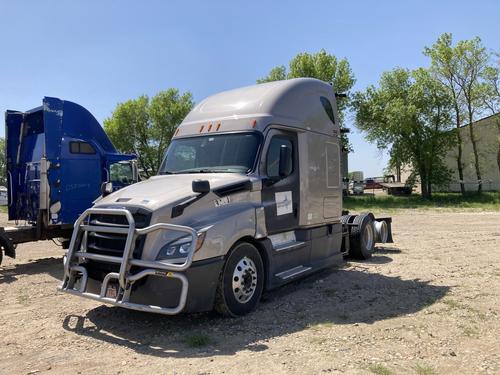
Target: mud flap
(7,246)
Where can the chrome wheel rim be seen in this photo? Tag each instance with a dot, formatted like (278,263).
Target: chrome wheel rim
(244,280)
(368,236)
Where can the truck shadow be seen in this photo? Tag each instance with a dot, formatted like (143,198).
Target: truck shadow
(332,297)
(52,266)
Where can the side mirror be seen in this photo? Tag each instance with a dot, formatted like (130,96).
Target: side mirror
(284,166)
(200,186)
(106,188)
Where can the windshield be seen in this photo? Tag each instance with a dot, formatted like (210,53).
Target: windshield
(212,153)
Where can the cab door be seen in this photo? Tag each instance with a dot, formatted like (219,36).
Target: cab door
(78,183)
(280,194)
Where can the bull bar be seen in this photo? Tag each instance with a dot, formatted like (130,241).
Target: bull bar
(74,272)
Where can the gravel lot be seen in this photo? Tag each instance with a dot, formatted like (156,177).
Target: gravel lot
(428,304)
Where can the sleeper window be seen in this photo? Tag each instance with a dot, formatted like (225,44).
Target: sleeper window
(81,148)
(328,108)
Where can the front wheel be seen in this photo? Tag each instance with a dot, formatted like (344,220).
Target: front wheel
(241,281)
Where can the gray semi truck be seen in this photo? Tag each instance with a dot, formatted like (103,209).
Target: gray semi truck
(248,198)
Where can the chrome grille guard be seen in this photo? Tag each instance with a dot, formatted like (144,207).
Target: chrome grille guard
(76,274)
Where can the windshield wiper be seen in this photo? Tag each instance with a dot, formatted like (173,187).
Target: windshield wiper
(201,170)
(208,171)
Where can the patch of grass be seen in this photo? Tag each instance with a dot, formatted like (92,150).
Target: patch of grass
(479,314)
(470,331)
(318,340)
(456,305)
(486,201)
(22,299)
(452,303)
(3,209)
(379,369)
(197,340)
(423,369)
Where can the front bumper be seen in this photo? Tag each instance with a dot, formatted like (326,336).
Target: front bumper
(76,277)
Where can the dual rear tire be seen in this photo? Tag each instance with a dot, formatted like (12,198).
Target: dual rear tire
(363,236)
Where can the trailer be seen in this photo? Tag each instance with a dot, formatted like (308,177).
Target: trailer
(395,188)
(248,198)
(58,156)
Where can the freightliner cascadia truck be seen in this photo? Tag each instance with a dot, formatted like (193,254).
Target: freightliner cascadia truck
(248,198)
(58,156)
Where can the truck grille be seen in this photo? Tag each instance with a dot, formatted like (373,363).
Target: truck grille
(114,244)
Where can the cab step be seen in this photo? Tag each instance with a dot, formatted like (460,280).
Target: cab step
(295,271)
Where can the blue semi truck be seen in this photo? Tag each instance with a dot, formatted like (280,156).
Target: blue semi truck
(58,158)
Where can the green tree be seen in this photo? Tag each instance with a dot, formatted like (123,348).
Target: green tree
(145,126)
(460,69)
(323,66)
(491,76)
(409,113)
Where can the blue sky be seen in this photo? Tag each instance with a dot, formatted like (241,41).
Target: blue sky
(99,53)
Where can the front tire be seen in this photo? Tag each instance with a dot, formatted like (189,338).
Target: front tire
(241,281)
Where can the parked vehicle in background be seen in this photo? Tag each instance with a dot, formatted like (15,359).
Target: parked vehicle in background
(248,198)
(395,188)
(358,188)
(358,185)
(58,157)
(3,196)
(372,183)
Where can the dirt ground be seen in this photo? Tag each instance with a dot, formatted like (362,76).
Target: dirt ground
(428,304)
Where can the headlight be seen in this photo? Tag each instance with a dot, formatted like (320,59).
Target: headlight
(180,247)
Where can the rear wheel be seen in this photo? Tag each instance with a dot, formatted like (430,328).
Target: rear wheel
(241,281)
(362,237)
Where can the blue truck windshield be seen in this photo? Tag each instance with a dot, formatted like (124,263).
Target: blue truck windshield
(212,153)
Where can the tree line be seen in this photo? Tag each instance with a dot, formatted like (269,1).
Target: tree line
(414,114)
(417,114)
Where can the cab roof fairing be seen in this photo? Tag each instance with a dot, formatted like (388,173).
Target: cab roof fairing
(294,102)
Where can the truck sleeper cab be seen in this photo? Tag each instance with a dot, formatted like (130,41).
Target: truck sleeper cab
(248,197)
(57,157)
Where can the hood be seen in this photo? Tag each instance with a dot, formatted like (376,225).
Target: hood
(159,191)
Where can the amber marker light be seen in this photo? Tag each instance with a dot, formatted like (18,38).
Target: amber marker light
(254,123)
(218,127)
(201,128)
(209,127)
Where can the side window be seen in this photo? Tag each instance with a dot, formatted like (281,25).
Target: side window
(273,155)
(121,173)
(81,148)
(328,108)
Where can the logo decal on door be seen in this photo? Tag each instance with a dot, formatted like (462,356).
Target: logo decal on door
(284,204)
